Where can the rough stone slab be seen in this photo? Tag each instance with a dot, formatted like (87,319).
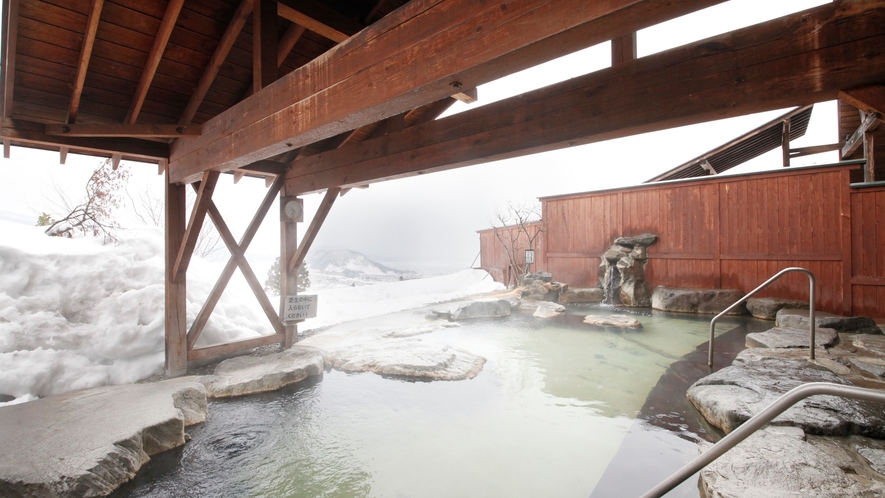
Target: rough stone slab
(88,442)
(612,321)
(575,296)
(729,397)
(691,300)
(779,337)
(869,342)
(766,308)
(482,308)
(254,374)
(409,357)
(547,309)
(872,366)
(798,319)
(782,462)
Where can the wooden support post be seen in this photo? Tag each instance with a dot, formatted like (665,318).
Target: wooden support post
(785,144)
(63,156)
(624,49)
(7,145)
(314,228)
(176,289)
(869,153)
(264,44)
(288,277)
(201,205)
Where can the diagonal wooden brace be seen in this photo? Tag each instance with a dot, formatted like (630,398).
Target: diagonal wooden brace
(204,196)
(314,228)
(226,274)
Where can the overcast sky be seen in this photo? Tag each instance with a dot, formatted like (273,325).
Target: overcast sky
(433,218)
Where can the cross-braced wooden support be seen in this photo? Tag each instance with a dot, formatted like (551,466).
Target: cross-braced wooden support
(176,289)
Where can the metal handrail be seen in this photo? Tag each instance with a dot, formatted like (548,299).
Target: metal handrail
(758,421)
(811,303)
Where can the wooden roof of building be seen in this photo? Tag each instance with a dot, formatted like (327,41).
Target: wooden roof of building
(340,93)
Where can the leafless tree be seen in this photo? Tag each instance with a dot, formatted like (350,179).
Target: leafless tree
(517,228)
(94,213)
(151,210)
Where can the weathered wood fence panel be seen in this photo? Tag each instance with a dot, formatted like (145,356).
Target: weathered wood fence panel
(734,232)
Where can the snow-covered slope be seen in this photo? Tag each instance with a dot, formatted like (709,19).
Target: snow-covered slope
(76,313)
(344,261)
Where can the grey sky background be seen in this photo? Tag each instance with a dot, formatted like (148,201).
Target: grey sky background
(432,219)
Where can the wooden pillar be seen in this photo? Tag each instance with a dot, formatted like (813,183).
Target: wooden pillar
(869,147)
(785,143)
(623,49)
(288,278)
(264,44)
(176,288)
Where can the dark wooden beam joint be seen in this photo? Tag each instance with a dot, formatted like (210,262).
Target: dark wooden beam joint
(870,122)
(122,130)
(623,49)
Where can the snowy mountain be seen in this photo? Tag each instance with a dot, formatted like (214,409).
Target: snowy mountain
(348,263)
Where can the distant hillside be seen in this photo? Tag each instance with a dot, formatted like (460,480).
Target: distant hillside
(348,263)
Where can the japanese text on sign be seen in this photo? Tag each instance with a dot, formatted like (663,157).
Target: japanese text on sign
(300,307)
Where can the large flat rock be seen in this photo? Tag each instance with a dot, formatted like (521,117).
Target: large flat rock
(409,357)
(622,321)
(482,308)
(254,374)
(692,300)
(729,397)
(88,442)
(766,308)
(781,462)
(780,337)
(798,319)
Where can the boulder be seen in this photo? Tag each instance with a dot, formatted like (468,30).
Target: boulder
(547,309)
(621,272)
(623,321)
(88,442)
(243,375)
(411,357)
(482,308)
(691,300)
(798,319)
(870,343)
(874,367)
(729,397)
(791,338)
(766,308)
(784,462)
(591,295)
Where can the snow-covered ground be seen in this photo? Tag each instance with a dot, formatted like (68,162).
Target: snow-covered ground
(77,313)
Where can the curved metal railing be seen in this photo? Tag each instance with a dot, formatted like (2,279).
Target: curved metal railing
(811,303)
(758,421)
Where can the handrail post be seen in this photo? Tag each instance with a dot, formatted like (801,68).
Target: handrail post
(811,305)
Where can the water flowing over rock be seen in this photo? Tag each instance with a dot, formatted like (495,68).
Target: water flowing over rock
(253,374)
(690,300)
(88,442)
(591,295)
(622,271)
(784,462)
(411,357)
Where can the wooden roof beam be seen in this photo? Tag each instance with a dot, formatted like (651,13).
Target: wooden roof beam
(751,70)
(264,44)
(10,36)
(85,56)
(319,18)
(287,43)
(471,42)
(868,99)
(173,9)
(117,130)
(221,51)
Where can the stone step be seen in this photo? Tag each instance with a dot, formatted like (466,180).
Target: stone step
(780,337)
(798,319)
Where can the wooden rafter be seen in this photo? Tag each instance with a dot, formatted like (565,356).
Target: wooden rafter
(698,85)
(85,57)
(198,214)
(868,99)
(173,9)
(288,41)
(318,219)
(228,271)
(319,18)
(10,36)
(292,15)
(221,51)
(264,44)
(386,52)
(126,130)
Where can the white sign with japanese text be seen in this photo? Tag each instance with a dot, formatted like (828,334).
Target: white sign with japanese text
(300,307)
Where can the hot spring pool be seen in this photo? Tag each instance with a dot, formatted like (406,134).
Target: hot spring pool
(560,409)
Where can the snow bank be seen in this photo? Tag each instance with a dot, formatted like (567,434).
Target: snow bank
(76,313)
(343,304)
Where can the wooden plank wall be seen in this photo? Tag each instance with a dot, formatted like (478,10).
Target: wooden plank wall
(493,257)
(734,232)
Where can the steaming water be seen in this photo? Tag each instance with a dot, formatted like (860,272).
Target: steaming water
(550,411)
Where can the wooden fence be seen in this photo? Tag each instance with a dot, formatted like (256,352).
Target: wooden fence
(730,232)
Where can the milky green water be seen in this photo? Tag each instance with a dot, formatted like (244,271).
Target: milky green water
(544,418)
